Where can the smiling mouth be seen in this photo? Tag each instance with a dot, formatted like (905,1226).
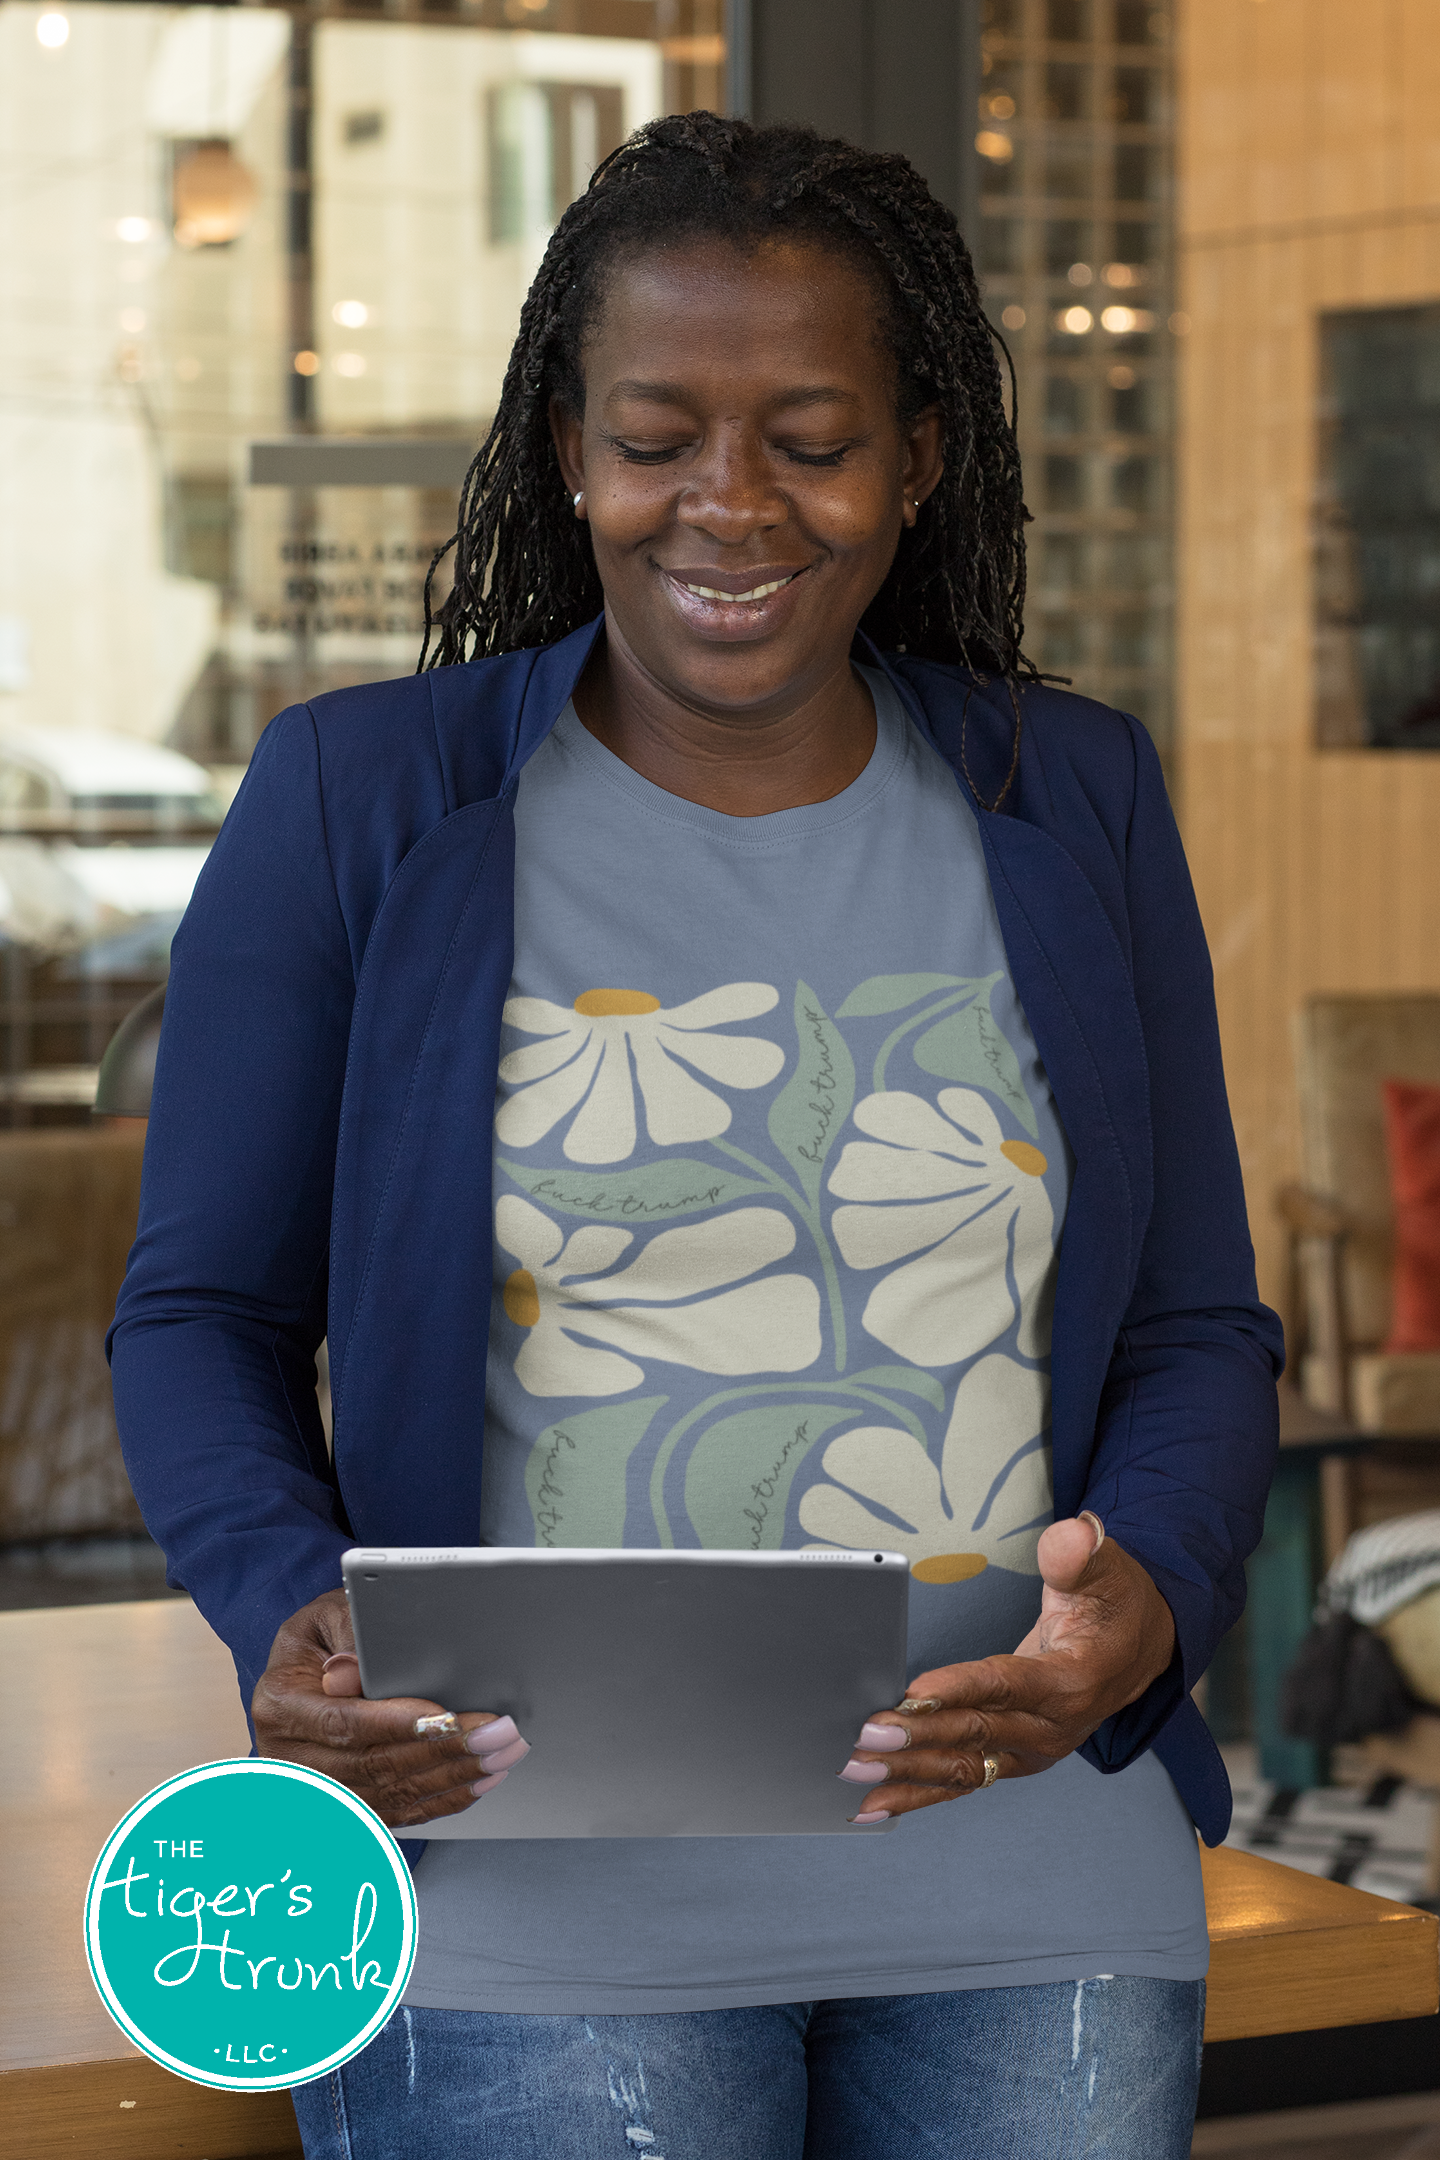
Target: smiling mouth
(736,599)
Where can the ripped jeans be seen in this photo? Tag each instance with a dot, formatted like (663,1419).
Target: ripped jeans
(1105,2068)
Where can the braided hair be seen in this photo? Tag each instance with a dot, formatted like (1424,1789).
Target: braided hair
(524,571)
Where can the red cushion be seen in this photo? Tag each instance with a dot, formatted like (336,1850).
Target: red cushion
(1412,1135)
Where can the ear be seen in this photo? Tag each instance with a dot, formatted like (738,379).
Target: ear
(924,459)
(567,433)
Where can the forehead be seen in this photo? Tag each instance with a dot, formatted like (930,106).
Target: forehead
(707,308)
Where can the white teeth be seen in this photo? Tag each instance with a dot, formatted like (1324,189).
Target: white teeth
(733,599)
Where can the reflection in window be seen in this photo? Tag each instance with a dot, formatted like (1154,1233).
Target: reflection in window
(1068,242)
(1064,483)
(1136,172)
(1377,528)
(546,138)
(1080,284)
(1135,94)
(1064,405)
(240,226)
(1065,19)
(1064,91)
(1067,169)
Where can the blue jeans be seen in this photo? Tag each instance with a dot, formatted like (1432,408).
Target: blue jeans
(1104,2068)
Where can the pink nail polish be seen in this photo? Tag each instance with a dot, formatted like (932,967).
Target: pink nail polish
(487,1784)
(505,1758)
(872,1815)
(489,1739)
(865,1773)
(876,1737)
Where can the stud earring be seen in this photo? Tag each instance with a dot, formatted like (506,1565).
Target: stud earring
(578,497)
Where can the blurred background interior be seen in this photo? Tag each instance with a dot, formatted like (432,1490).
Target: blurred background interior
(260,269)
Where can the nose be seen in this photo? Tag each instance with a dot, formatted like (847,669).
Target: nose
(733,492)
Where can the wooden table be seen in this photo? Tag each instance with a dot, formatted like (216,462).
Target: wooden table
(99,1703)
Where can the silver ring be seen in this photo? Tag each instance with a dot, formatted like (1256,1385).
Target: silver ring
(992,1771)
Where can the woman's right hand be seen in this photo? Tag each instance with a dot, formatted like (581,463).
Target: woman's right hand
(409,1760)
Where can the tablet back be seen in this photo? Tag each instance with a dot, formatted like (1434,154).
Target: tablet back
(664,1694)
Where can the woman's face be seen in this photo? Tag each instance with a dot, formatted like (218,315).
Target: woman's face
(745,476)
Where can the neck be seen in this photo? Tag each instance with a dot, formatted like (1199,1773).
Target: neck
(797,749)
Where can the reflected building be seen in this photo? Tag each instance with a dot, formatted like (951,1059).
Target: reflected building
(1074,249)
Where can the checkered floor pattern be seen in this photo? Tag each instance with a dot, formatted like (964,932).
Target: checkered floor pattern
(1375,1835)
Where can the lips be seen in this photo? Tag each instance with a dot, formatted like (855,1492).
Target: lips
(735,588)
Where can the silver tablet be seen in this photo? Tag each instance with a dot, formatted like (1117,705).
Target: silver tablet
(664,1694)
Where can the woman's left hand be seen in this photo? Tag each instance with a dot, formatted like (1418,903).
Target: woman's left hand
(1103,1635)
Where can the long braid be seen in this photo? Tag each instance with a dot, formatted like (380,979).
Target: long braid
(524,571)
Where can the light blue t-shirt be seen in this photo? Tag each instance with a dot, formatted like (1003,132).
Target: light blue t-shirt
(780,1185)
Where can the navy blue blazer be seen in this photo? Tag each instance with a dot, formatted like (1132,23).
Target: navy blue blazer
(319,1157)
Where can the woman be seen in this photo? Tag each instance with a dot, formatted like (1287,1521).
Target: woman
(747,881)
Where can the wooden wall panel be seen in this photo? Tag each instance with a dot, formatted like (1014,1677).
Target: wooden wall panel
(1309,179)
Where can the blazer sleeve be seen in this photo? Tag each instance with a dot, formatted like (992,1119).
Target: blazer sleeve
(223,1305)
(1188,1425)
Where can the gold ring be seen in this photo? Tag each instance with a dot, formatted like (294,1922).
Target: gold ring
(992,1771)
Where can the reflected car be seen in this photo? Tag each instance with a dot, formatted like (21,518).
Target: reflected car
(101,840)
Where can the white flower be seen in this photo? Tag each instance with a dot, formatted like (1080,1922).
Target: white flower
(970,1203)
(989,1500)
(594,1042)
(769,1326)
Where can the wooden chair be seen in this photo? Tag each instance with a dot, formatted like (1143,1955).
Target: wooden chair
(1340,1218)
(69,1197)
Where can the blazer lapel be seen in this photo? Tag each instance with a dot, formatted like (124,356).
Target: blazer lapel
(410,1241)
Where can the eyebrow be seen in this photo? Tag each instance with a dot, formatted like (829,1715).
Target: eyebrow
(664,393)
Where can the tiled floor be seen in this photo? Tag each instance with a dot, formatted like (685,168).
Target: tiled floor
(1372,1832)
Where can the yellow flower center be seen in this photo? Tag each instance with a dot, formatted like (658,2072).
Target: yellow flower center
(603,1004)
(522,1299)
(1026,1158)
(943,1567)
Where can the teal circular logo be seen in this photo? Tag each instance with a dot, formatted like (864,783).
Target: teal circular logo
(250,1924)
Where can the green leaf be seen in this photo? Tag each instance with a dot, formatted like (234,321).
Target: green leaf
(648,1193)
(908,1377)
(892,993)
(807,1114)
(738,1478)
(968,1046)
(575,1475)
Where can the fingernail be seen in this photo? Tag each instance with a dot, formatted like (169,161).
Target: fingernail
(1087,1515)
(872,1815)
(914,1704)
(506,1758)
(878,1737)
(488,1784)
(489,1739)
(340,1657)
(444,1721)
(865,1773)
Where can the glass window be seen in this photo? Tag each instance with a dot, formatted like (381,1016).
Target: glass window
(1066,85)
(1084,300)
(999,244)
(1135,97)
(1377,528)
(263,267)
(1066,19)
(1069,245)
(1139,22)
(1064,483)
(1137,172)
